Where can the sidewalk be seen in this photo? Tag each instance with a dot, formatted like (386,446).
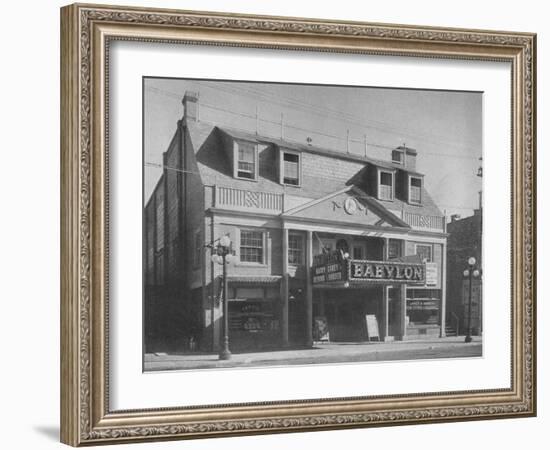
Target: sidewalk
(324,353)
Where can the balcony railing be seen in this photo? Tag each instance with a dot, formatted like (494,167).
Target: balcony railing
(232,198)
(424,222)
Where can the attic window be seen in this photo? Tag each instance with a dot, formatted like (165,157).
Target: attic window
(290,168)
(385,185)
(246,161)
(397,156)
(415,190)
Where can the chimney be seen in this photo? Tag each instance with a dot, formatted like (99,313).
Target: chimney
(404,156)
(190,104)
(410,158)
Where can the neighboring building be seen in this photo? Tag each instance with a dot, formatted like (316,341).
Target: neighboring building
(464,241)
(317,235)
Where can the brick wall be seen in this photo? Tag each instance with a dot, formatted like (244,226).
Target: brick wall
(465,240)
(171,205)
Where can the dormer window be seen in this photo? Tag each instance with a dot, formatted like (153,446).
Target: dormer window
(290,170)
(397,157)
(246,164)
(385,185)
(415,190)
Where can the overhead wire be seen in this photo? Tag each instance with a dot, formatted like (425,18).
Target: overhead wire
(289,126)
(327,111)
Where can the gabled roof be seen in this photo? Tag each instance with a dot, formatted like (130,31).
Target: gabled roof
(364,210)
(213,166)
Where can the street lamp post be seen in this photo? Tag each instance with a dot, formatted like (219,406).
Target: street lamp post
(222,255)
(471,271)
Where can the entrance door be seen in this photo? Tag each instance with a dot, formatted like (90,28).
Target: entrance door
(393,311)
(296,317)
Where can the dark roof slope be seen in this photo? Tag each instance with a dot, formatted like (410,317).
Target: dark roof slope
(238,134)
(215,168)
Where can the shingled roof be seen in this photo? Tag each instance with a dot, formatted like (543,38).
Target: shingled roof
(296,146)
(208,142)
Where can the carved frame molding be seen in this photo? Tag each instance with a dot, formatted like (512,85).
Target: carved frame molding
(86,32)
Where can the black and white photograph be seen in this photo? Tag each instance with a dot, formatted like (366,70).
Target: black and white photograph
(243,225)
(290,224)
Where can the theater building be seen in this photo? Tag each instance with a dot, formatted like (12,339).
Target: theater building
(320,238)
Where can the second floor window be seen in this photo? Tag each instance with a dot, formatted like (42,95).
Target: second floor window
(252,246)
(415,190)
(425,252)
(358,252)
(295,249)
(246,161)
(385,187)
(394,249)
(291,169)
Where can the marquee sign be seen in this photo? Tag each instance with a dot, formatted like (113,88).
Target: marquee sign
(329,272)
(332,267)
(395,272)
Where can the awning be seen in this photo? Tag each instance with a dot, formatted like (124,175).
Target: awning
(266,279)
(348,285)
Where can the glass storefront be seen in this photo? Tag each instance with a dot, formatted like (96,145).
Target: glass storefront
(423,313)
(253,317)
(423,306)
(344,311)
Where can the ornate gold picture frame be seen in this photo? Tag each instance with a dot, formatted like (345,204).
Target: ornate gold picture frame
(87,32)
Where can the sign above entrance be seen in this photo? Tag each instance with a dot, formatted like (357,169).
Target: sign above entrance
(334,267)
(330,268)
(395,272)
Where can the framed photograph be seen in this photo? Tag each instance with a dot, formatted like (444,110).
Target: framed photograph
(275,224)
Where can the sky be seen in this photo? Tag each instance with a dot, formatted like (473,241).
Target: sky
(445,127)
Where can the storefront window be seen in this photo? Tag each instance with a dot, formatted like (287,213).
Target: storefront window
(423,306)
(253,319)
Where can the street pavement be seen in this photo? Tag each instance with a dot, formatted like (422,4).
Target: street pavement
(321,353)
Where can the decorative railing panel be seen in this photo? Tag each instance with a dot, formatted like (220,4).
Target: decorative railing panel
(424,222)
(233,198)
